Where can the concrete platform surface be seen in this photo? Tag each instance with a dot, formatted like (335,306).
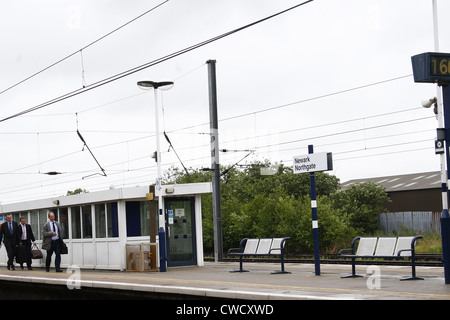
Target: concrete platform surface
(215,281)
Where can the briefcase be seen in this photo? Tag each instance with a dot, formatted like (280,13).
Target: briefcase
(36,253)
(64,249)
(21,254)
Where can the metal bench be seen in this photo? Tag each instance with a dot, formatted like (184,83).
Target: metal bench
(260,247)
(383,247)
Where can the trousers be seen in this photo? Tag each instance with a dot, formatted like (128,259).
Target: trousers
(56,248)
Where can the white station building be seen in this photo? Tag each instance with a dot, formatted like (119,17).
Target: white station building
(117,229)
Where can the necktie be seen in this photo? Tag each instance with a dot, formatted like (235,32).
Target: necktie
(54,230)
(10,228)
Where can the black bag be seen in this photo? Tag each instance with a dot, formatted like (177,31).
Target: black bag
(21,254)
(64,249)
(36,253)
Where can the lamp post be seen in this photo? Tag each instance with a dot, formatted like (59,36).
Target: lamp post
(163,85)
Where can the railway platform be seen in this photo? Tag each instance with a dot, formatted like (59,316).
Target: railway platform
(214,281)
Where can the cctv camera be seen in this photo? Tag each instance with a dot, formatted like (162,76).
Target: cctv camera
(428,103)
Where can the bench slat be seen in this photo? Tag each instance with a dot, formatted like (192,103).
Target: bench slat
(251,246)
(264,246)
(276,246)
(404,243)
(386,246)
(366,246)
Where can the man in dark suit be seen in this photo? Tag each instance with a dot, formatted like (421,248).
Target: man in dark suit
(26,238)
(11,237)
(52,242)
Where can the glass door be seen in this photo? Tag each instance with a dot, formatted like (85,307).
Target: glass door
(180,231)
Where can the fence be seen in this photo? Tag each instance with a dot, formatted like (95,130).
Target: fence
(420,221)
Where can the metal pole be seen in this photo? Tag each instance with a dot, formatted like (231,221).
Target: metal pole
(445,217)
(440,116)
(444,158)
(214,131)
(315,224)
(162,221)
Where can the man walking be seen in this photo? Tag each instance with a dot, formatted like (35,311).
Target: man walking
(26,239)
(11,237)
(52,242)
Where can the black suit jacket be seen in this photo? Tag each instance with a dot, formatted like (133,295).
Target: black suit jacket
(30,235)
(8,238)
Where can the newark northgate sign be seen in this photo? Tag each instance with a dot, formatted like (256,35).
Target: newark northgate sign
(310,163)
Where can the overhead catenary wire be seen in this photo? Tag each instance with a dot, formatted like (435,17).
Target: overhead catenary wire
(81,51)
(87,147)
(148,64)
(261,147)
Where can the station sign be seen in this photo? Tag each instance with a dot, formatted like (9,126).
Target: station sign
(313,162)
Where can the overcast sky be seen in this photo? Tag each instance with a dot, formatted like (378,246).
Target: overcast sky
(335,74)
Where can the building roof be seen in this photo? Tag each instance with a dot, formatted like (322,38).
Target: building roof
(107,195)
(415,181)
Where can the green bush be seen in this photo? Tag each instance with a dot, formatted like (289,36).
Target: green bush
(278,205)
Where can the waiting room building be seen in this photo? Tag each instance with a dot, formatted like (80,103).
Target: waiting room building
(100,227)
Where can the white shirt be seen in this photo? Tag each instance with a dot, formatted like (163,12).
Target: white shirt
(24,231)
(55,229)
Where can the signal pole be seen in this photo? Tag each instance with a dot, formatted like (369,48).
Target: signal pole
(214,131)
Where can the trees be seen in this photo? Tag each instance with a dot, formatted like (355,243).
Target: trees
(360,204)
(278,204)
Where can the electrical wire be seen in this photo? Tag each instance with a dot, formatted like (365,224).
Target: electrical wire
(81,51)
(147,65)
(235,140)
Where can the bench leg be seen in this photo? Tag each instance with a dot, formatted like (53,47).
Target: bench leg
(353,275)
(282,266)
(240,266)
(413,269)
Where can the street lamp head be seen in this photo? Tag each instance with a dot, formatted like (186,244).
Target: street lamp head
(162,85)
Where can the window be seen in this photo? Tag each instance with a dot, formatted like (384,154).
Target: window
(16,216)
(76,222)
(138,218)
(34,222)
(106,220)
(42,220)
(100,221)
(145,218)
(87,221)
(113,220)
(64,222)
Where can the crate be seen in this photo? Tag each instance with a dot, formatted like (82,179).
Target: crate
(141,257)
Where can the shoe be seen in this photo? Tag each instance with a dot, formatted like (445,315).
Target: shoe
(12,268)
(9,268)
(47,269)
(59,270)
(30,268)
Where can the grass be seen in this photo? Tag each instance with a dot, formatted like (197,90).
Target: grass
(430,243)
